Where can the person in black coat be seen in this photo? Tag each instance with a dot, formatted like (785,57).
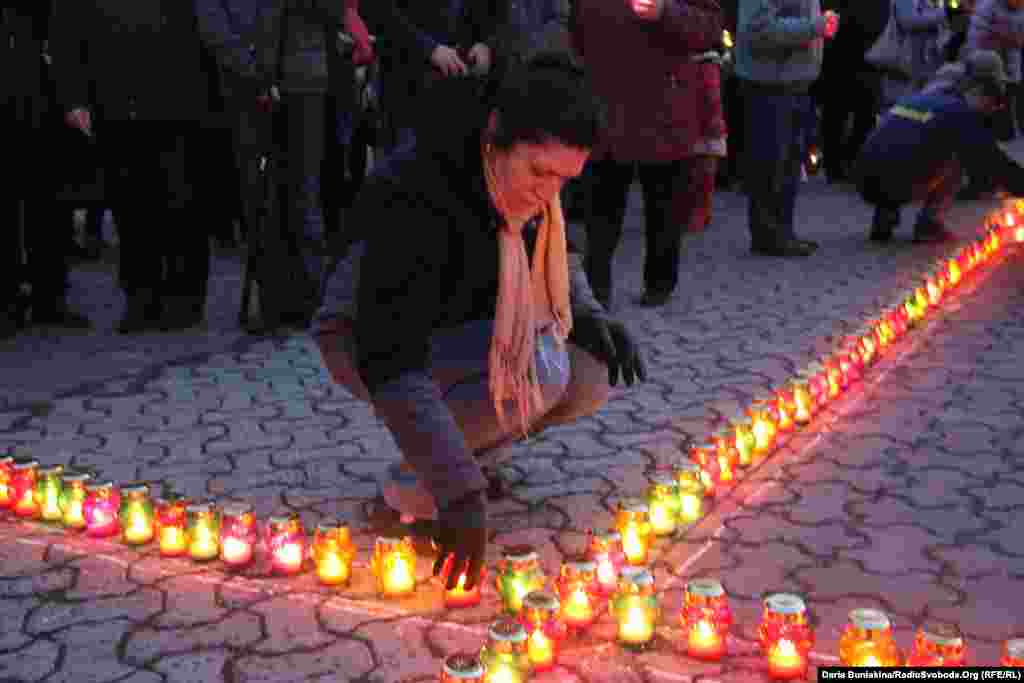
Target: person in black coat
(30,217)
(134,68)
(849,86)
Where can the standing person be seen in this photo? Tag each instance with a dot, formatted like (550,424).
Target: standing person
(925,23)
(778,56)
(477,326)
(850,86)
(136,67)
(919,148)
(656,123)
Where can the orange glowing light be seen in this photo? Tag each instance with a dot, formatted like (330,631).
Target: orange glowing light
(541,649)
(172,540)
(578,608)
(704,641)
(235,551)
(785,661)
(636,627)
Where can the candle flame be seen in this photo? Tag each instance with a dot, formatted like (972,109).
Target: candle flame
(578,606)
(632,544)
(138,528)
(172,539)
(332,568)
(870,660)
(690,507)
(540,648)
(502,674)
(289,555)
(235,550)
(399,578)
(636,627)
(661,518)
(606,571)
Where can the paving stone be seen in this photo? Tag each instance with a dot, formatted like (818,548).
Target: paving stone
(13,613)
(33,663)
(147,646)
(135,607)
(349,656)
(198,667)
(90,651)
(291,624)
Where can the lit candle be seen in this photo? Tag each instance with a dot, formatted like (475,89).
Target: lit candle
(238,534)
(1013,654)
(605,549)
(786,636)
(203,532)
(663,503)
(850,363)
(519,573)
(541,618)
(705,619)
(834,376)
(578,592)
(704,457)
(763,414)
(136,515)
(633,523)
(460,596)
(745,443)
(6,492)
(938,644)
(102,501)
(394,566)
(803,404)
(867,640)
(785,410)
(333,552)
(286,544)
(505,656)
(691,503)
(23,483)
(868,345)
(817,383)
(635,608)
(463,667)
(953,272)
(48,488)
(72,499)
(934,286)
(171,518)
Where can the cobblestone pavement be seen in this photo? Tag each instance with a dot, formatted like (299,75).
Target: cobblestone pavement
(903,496)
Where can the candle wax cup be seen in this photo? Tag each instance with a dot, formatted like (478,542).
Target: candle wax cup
(332,569)
(398,578)
(785,662)
(503,674)
(102,524)
(633,545)
(635,628)
(203,545)
(236,551)
(541,650)
(690,509)
(139,529)
(172,540)
(607,574)
(662,519)
(73,516)
(460,597)
(578,610)
(705,642)
(288,557)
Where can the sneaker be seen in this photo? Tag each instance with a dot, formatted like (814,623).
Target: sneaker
(884,223)
(406,494)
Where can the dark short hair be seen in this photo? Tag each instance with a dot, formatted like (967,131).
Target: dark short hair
(547,98)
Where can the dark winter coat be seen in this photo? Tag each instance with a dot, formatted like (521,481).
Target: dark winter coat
(130,59)
(293,44)
(23,29)
(229,29)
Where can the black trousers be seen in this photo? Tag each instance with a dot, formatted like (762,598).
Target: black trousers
(858,95)
(609,191)
(151,171)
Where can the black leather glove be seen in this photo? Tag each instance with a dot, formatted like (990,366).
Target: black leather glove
(608,341)
(462,533)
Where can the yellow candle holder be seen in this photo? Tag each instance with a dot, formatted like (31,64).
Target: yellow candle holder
(463,667)
(394,566)
(239,534)
(704,457)
(834,377)
(171,526)
(203,532)
(763,413)
(137,523)
(635,608)
(579,593)
(541,618)
(938,644)
(1013,654)
(24,474)
(691,503)
(803,402)
(6,491)
(519,573)
(705,619)
(48,489)
(663,503)
(333,552)
(505,655)
(743,431)
(867,641)
(633,521)
(72,499)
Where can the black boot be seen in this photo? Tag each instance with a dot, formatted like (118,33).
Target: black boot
(181,313)
(59,315)
(884,222)
(142,312)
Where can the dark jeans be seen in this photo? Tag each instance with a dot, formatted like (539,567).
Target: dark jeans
(775,151)
(151,169)
(608,193)
(937,191)
(858,95)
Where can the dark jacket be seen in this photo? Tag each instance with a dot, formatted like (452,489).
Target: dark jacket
(293,44)
(23,30)
(655,92)
(130,59)
(924,132)
(229,29)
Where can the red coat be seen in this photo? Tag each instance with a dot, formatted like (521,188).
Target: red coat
(660,103)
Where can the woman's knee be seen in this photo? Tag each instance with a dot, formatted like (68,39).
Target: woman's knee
(587,392)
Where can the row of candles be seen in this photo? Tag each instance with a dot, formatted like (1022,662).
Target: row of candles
(613,570)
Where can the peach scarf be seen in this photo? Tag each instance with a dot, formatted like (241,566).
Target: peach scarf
(529,300)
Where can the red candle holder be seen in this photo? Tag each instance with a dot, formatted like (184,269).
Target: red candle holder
(285,542)
(705,619)
(764,420)
(171,522)
(579,593)
(817,383)
(1013,654)
(850,363)
(834,374)
(24,476)
(785,410)
(459,596)
(605,550)
(939,645)
(238,534)
(463,667)
(728,457)
(7,496)
(705,458)
(544,628)
(101,509)
(786,636)
(803,401)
